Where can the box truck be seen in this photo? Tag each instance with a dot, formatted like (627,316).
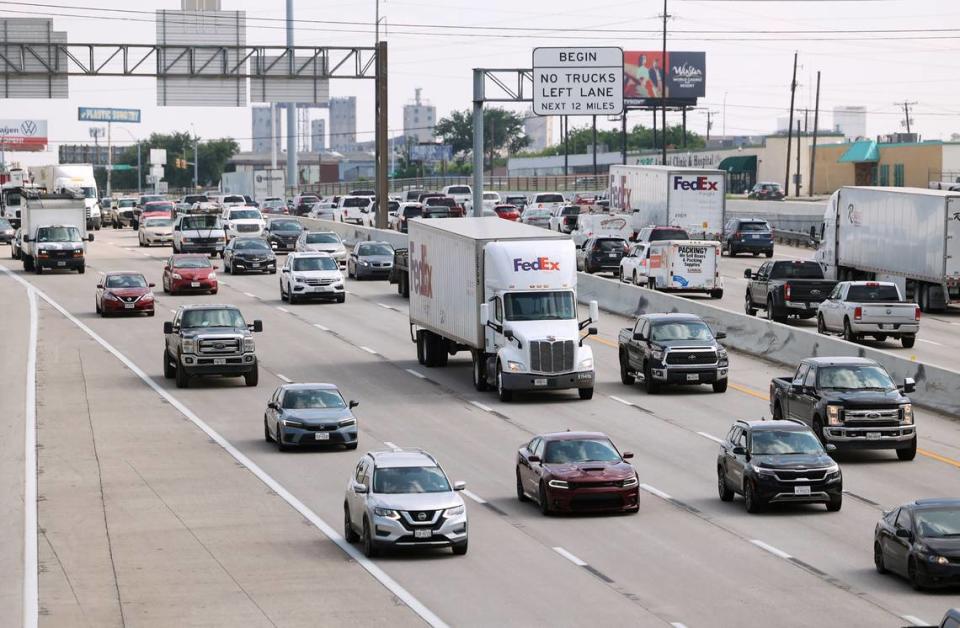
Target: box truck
(691,198)
(507,293)
(908,236)
(71,179)
(54,232)
(682,266)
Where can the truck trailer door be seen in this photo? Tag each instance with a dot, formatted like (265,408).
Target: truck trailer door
(953,240)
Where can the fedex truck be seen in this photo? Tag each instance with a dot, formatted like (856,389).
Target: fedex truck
(507,293)
(692,198)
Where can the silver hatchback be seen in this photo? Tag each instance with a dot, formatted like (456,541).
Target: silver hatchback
(403,499)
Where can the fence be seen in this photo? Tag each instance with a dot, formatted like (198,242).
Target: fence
(556,183)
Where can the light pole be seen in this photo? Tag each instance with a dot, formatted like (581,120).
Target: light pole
(139,160)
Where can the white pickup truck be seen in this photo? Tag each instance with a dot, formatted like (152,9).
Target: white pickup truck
(869,308)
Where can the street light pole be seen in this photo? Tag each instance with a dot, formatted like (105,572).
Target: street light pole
(663,85)
(293,180)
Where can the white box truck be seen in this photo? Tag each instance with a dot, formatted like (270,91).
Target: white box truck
(507,293)
(691,198)
(684,266)
(908,236)
(71,179)
(54,233)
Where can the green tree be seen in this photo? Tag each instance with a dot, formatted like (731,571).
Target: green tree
(639,138)
(214,155)
(502,129)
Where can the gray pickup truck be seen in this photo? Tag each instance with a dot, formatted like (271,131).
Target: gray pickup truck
(786,288)
(210,340)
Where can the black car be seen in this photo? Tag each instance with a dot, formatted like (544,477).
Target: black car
(771,462)
(747,235)
(601,255)
(282,233)
(921,542)
(309,414)
(243,255)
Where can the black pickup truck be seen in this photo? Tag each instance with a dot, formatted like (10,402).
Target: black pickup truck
(400,273)
(786,288)
(852,403)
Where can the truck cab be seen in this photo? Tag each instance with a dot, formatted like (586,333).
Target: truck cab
(53,233)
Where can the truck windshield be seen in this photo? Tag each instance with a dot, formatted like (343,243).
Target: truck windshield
(201,222)
(458,189)
(854,377)
(89,192)
(540,306)
(359,201)
(550,198)
(224,317)
(58,234)
(797,270)
(680,330)
(783,442)
(873,294)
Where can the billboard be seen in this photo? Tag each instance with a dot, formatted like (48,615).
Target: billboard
(106,114)
(645,76)
(431,152)
(23,135)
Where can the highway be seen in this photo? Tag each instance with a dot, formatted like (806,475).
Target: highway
(686,559)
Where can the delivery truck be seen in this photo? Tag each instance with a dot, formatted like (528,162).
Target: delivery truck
(907,236)
(74,179)
(54,233)
(507,293)
(691,198)
(684,266)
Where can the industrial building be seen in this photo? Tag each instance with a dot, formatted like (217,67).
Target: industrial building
(343,123)
(419,119)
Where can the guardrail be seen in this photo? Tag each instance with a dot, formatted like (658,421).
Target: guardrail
(797,238)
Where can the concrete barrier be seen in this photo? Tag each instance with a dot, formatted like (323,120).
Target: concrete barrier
(937,388)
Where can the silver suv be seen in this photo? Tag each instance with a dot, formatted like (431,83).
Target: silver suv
(402,498)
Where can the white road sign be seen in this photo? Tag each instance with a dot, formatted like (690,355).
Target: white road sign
(577,81)
(158,156)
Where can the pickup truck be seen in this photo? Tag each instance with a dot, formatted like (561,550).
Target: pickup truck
(210,340)
(672,349)
(869,308)
(400,273)
(786,288)
(852,403)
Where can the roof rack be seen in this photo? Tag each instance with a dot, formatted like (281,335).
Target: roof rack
(396,450)
(744,421)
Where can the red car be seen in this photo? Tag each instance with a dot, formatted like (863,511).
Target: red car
(123,292)
(507,212)
(189,273)
(158,209)
(577,472)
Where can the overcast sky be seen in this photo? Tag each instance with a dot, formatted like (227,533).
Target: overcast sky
(749,56)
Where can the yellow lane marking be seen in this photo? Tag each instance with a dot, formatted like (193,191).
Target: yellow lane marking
(938,457)
(749,391)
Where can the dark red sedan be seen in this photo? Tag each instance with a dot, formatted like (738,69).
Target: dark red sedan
(507,212)
(576,472)
(189,273)
(124,292)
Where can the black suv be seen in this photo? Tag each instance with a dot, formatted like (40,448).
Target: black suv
(601,255)
(777,462)
(748,235)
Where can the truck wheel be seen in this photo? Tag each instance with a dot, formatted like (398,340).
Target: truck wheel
(848,334)
(716,294)
(169,372)
(908,341)
(748,306)
(720,387)
(253,377)
(82,269)
(479,371)
(406,285)
(504,394)
(421,349)
(586,393)
(37,268)
(818,430)
(908,453)
(651,386)
(183,380)
(769,253)
(626,377)
(769,309)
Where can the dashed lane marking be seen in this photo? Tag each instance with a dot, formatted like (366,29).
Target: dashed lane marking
(773,550)
(416,374)
(250,294)
(474,496)
(916,621)
(573,559)
(284,378)
(655,491)
(283,309)
(321,327)
(619,400)
(483,407)
(711,437)
(369,350)
(391,445)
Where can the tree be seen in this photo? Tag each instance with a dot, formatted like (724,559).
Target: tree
(639,138)
(502,130)
(214,155)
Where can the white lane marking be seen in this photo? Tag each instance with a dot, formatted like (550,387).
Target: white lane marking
(145,254)
(331,533)
(483,407)
(769,548)
(655,491)
(416,374)
(573,559)
(173,311)
(916,621)
(284,378)
(250,294)
(386,307)
(474,496)
(929,342)
(711,437)
(391,445)
(283,309)
(31,599)
(619,400)
(321,327)
(369,350)
(677,624)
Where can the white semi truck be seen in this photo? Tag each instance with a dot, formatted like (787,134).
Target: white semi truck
(507,293)
(54,233)
(71,179)
(907,236)
(691,198)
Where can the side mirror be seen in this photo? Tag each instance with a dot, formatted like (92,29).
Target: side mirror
(627,455)
(168,327)
(903,533)
(459,486)
(484,314)
(637,336)
(739,451)
(360,489)
(90,237)
(533,458)
(830,448)
(797,388)
(151,285)
(353,404)
(273,406)
(258,326)
(594,311)
(909,385)
(592,331)
(747,274)
(508,333)
(720,335)
(27,238)
(100,286)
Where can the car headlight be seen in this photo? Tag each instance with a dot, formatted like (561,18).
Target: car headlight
(189,345)
(109,296)
(363,263)
(186,240)
(833,471)
(212,276)
(762,471)
(456,511)
(388,513)
(558,484)
(833,415)
(249,345)
(722,354)
(656,355)
(906,413)
(586,363)
(938,560)
(289,423)
(629,482)
(299,279)
(346,422)
(516,367)
(176,276)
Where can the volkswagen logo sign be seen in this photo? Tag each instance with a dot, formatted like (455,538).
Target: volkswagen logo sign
(421,516)
(28,127)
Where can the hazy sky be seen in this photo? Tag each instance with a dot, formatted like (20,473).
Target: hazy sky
(749,56)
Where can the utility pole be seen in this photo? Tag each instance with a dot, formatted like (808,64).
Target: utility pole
(273,133)
(139,170)
(709,113)
(793,93)
(663,85)
(796,184)
(683,139)
(655,129)
(196,162)
(906,113)
(813,149)
(109,158)
(493,140)
(565,120)
(478,98)
(623,145)
(594,146)
(293,178)
(382,143)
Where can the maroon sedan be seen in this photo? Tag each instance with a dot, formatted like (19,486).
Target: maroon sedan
(576,472)
(123,292)
(189,273)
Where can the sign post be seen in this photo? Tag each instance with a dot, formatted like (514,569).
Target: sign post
(577,81)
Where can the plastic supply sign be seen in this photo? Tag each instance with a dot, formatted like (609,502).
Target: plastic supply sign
(105,114)
(577,81)
(23,135)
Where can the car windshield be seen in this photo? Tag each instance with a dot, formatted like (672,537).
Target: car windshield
(659,235)
(251,245)
(797,270)
(938,522)
(315,263)
(244,214)
(58,234)
(5,224)
(754,226)
(540,306)
(446,201)
(126,281)
(322,238)
(536,213)
(192,262)
(398,480)
(303,398)
(550,198)
(784,442)
(614,245)
(375,249)
(285,225)
(360,201)
(878,293)
(854,377)
(458,189)
(274,203)
(234,199)
(306,200)
(580,450)
(680,330)
(201,222)
(149,199)
(157,222)
(224,317)
(412,212)
(125,202)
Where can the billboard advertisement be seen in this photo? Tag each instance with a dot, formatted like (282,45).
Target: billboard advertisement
(23,135)
(645,76)
(431,152)
(106,114)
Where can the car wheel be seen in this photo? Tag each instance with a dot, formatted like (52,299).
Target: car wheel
(649,385)
(748,306)
(504,394)
(770,316)
(96,306)
(586,393)
(370,549)
(459,549)
(169,371)
(908,453)
(266,431)
(253,377)
(349,533)
(521,494)
(626,377)
(636,279)
(279,439)
(621,275)
(878,559)
(720,386)
(835,503)
(726,493)
(821,326)
(183,380)
(908,341)
(543,499)
(769,253)
(342,298)
(750,499)
(848,334)
(913,576)
(283,295)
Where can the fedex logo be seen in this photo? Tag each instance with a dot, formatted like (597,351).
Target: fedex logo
(541,263)
(421,272)
(701,184)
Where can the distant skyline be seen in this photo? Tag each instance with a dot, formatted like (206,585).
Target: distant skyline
(900,50)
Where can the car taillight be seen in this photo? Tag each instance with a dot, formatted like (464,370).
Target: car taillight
(916,314)
(786,292)
(857,313)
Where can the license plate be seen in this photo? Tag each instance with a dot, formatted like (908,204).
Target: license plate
(128,306)
(194,284)
(755,237)
(321,436)
(256,264)
(61,263)
(693,377)
(612,255)
(886,326)
(422,534)
(801,490)
(873,435)
(219,361)
(540,382)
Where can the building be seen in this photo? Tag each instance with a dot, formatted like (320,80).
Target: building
(312,168)
(343,123)
(260,129)
(318,135)
(898,164)
(419,118)
(539,129)
(851,121)
(95,154)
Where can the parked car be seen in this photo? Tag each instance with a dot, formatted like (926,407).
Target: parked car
(787,288)
(6,231)
(189,273)
(311,274)
(403,499)
(576,472)
(876,308)
(370,259)
(767,191)
(323,242)
(747,235)
(772,462)
(244,255)
(123,292)
(598,255)
(155,230)
(206,340)
(309,414)
(282,233)
(920,541)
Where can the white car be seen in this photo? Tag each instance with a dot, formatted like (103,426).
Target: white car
(311,275)
(558,214)
(243,221)
(325,210)
(460,193)
(155,231)
(490,200)
(869,308)
(232,200)
(633,265)
(357,209)
(323,242)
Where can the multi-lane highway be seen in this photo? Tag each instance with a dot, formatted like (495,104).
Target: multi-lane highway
(686,559)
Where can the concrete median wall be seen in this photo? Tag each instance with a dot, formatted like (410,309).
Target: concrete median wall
(937,388)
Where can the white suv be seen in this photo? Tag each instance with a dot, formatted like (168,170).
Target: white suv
(311,275)
(402,498)
(243,221)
